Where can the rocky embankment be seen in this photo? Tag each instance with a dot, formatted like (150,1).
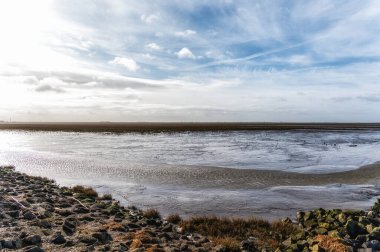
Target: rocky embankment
(38,215)
(336,230)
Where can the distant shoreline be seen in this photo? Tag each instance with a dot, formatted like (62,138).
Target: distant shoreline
(120,127)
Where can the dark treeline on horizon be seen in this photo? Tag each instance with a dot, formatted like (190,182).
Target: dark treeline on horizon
(180,126)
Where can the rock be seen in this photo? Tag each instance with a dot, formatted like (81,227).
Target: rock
(31,240)
(317,248)
(58,239)
(300,215)
(322,231)
(168,228)
(132,225)
(102,236)
(247,245)
(69,227)
(81,209)
(375,235)
(33,249)
(184,247)
(287,242)
(353,229)
(45,224)
(28,215)
(9,244)
(88,240)
(374,244)
(14,214)
(63,212)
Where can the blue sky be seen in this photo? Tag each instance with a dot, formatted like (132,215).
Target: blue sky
(313,61)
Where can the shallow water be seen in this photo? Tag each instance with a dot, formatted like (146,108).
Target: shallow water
(275,173)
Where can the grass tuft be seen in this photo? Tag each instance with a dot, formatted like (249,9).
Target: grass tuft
(268,235)
(87,191)
(107,197)
(228,244)
(152,214)
(174,218)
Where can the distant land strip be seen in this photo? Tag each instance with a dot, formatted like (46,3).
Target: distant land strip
(120,127)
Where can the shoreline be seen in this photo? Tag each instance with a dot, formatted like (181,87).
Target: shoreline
(38,215)
(145,127)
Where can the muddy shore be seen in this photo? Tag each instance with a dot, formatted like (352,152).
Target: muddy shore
(38,215)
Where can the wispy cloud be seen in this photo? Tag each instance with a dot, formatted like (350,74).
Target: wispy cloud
(185,34)
(191,60)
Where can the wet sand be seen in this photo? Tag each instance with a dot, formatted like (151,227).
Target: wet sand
(119,127)
(228,178)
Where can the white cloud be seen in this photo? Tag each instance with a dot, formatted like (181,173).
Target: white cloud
(129,63)
(149,18)
(153,47)
(186,33)
(147,56)
(185,53)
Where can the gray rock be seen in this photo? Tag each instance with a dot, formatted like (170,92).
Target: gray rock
(9,244)
(374,244)
(31,240)
(88,240)
(102,236)
(33,249)
(168,228)
(29,215)
(248,245)
(58,239)
(45,224)
(14,214)
(69,227)
(354,229)
(375,235)
(371,214)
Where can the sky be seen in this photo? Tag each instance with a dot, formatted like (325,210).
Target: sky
(190,60)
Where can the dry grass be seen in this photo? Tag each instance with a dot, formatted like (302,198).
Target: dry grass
(230,244)
(155,248)
(330,244)
(88,191)
(174,218)
(151,214)
(136,243)
(268,235)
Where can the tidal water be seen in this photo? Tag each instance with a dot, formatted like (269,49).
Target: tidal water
(265,173)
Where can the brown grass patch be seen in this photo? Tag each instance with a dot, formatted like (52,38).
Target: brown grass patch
(269,235)
(331,244)
(142,236)
(113,226)
(88,191)
(229,244)
(174,218)
(151,214)
(155,248)
(136,243)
